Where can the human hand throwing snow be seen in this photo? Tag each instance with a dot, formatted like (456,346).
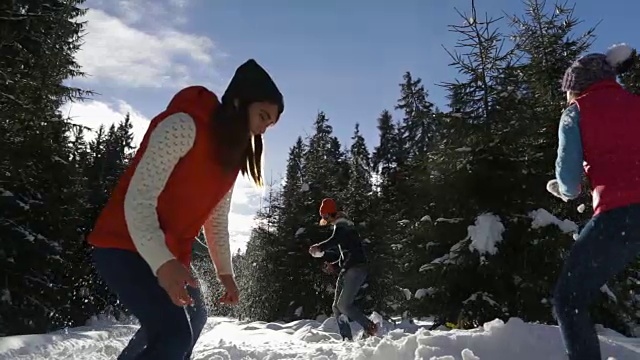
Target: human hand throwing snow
(232,294)
(173,277)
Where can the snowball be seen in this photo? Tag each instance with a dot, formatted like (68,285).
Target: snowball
(542,217)
(582,208)
(420,293)
(407,293)
(486,233)
(619,53)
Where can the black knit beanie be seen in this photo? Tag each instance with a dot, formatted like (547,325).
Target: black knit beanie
(589,69)
(252,83)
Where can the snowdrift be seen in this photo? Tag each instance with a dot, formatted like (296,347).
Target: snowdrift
(229,339)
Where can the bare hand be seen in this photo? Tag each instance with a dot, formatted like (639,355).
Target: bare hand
(232,294)
(173,277)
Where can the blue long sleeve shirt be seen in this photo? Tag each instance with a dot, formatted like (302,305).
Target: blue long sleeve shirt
(570,156)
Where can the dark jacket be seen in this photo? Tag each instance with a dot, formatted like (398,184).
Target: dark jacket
(331,255)
(346,237)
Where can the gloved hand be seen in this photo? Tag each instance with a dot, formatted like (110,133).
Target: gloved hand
(315,251)
(554,189)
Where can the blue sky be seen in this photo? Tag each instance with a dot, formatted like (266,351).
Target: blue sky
(342,57)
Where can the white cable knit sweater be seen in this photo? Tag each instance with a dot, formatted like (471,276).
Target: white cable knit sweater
(168,143)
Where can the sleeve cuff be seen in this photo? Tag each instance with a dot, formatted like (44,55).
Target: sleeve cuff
(569,194)
(157,256)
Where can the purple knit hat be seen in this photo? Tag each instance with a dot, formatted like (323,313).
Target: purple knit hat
(595,67)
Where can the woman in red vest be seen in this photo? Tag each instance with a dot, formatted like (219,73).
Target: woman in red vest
(179,182)
(598,135)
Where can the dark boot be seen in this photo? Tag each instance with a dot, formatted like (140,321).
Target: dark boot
(345,330)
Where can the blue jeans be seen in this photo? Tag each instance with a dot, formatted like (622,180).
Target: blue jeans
(347,286)
(166,331)
(606,245)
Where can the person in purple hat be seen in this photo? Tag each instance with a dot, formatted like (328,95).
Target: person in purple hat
(599,135)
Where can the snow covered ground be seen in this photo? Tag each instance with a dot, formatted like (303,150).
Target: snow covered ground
(229,339)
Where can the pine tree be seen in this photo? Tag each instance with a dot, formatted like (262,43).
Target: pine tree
(479,179)
(416,132)
(277,254)
(263,280)
(545,39)
(417,127)
(99,175)
(294,189)
(325,171)
(359,191)
(358,197)
(38,40)
(315,170)
(385,156)
(631,80)
(506,116)
(324,162)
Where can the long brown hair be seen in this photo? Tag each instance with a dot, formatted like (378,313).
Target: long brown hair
(237,147)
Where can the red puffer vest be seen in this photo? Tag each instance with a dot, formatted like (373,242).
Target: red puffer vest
(194,188)
(610,132)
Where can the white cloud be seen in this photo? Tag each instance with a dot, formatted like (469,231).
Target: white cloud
(94,113)
(178,3)
(116,52)
(246,198)
(245,203)
(146,12)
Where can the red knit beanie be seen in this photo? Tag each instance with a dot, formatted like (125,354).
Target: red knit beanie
(328,206)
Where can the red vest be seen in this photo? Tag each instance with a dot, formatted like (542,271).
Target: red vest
(610,132)
(194,188)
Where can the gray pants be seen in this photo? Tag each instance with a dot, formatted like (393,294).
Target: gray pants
(347,286)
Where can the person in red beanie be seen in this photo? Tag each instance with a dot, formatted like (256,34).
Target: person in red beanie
(179,182)
(353,268)
(598,135)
